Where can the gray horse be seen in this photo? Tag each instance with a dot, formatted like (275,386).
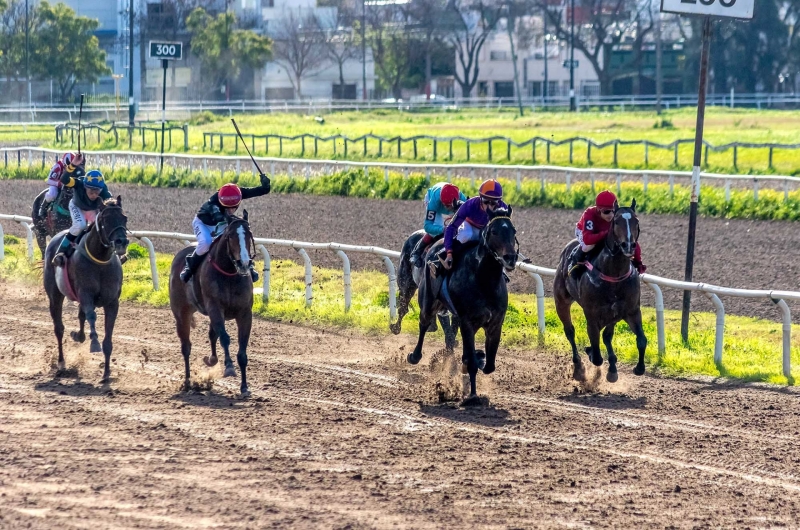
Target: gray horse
(93,275)
(608,293)
(476,291)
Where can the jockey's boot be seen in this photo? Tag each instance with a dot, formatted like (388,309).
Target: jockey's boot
(253,273)
(65,251)
(193,261)
(43,209)
(640,267)
(435,263)
(577,258)
(416,254)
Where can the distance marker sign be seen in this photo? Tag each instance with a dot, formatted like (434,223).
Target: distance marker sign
(714,8)
(170,51)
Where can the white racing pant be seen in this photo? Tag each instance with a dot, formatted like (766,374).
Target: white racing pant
(52,192)
(80,218)
(467,233)
(204,234)
(579,237)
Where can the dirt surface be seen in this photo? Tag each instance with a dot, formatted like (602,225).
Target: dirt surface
(732,253)
(341,433)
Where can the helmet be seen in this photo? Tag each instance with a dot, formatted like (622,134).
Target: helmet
(606,199)
(67,158)
(491,189)
(230,195)
(449,195)
(93,179)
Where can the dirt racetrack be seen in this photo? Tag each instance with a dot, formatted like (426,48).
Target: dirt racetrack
(341,433)
(732,253)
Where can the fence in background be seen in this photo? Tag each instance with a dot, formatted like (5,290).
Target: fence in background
(713,292)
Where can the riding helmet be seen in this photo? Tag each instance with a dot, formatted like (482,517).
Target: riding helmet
(230,195)
(491,189)
(449,194)
(606,199)
(93,179)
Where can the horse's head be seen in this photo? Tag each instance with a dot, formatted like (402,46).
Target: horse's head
(500,238)
(238,241)
(112,225)
(624,231)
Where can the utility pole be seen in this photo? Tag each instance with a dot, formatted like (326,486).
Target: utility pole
(131,104)
(659,65)
(364,49)
(27,58)
(546,76)
(572,105)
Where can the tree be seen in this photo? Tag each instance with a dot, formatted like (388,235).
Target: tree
(64,48)
(392,45)
(428,18)
(520,31)
(338,41)
(12,39)
(298,47)
(469,24)
(223,48)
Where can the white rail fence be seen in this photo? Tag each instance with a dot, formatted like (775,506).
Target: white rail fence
(304,168)
(712,292)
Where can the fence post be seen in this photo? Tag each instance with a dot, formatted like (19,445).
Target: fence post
(571,146)
(677,143)
(785,190)
(472,175)
(569,181)
(307,260)
(591,180)
(533,151)
(449,175)
(755,189)
(736,157)
(151,252)
(392,288)
(186,138)
(589,153)
(451,149)
(619,184)
(541,176)
(646,153)
(508,151)
(2,244)
(616,152)
(719,309)
(671,185)
(346,279)
(468,144)
(519,179)
(644,183)
(265,272)
(385,174)
(415,148)
(787,338)
(539,305)
(770,158)
(548,151)
(727,190)
(434,148)
(662,343)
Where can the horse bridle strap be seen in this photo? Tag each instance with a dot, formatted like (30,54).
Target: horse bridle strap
(91,257)
(219,269)
(485,244)
(100,231)
(610,279)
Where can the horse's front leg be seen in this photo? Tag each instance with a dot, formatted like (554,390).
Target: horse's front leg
(218,323)
(80,335)
(593,330)
(110,312)
(608,335)
(635,323)
(212,339)
(87,308)
(426,317)
(469,358)
(244,324)
(493,333)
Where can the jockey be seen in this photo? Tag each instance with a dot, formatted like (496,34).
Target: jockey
(90,192)
(71,164)
(441,201)
(592,228)
(210,221)
(470,219)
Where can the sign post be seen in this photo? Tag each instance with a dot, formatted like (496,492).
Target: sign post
(166,51)
(708,8)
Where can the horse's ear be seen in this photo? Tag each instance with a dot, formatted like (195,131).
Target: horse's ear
(616,206)
(510,211)
(244,215)
(633,205)
(119,201)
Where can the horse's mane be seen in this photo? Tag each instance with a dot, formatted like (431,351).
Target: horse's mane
(110,202)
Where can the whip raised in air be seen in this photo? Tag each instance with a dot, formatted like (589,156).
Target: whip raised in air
(246,148)
(80,114)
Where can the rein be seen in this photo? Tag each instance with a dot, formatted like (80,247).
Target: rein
(610,279)
(228,252)
(105,244)
(486,244)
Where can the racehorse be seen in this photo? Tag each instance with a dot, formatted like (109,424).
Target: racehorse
(56,219)
(476,291)
(608,292)
(92,277)
(408,277)
(221,289)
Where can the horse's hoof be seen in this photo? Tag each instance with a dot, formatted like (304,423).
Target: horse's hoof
(230,371)
(488,369)
(414,358)
(464,368)
(186,386)
(61,365)
(578,374)
(105,380)
(395,328)
(244,394)
(95,347)
(474,401)
(77,337)
(639,370)
(210,361)
(612,377)
(481,361)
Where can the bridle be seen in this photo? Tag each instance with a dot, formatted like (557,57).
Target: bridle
(249,241)
(615,248)
(105,240)
(485,242)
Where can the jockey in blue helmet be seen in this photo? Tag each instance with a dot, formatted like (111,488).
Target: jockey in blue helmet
(89,193)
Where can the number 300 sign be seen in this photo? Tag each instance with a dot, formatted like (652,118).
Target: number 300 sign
(166,50)
(715,8)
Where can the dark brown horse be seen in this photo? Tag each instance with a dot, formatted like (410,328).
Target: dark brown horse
(608,292)
(55,220)
(93,276)
(221,289)
(476,291)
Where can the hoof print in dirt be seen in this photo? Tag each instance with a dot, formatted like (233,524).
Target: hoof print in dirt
(475,401)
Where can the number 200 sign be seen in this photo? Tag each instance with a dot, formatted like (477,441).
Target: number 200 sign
(172,51)
(715,8)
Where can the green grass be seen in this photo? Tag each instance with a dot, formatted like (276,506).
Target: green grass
(658,199)
(722,126)
(751,353)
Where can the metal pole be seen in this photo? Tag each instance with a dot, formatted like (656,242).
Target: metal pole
(572,106)
(27,55)
(659,65)
(698,150)
(364,49)
(546,75)
(131,105)
(163,112)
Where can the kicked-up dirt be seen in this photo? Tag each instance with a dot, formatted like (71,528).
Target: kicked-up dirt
(341,433)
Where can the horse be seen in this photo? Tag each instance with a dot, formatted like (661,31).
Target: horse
(475,290)
(408,277)
(56,219)
(92,277)
(221,289)
(608,292)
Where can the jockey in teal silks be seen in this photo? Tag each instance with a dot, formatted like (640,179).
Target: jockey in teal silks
(441,202)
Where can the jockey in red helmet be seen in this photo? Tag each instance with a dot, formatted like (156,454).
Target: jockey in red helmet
(210,221)
(72,165)
(441,201)
(592,228)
